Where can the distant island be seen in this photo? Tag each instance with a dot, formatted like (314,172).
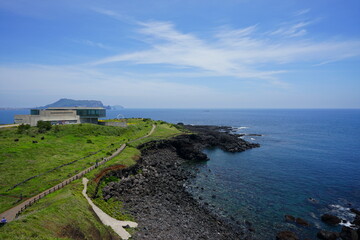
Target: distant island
(66,102)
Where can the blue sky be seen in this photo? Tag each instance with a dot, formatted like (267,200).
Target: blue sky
(181,53)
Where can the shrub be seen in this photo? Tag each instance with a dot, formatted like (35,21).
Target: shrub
(22,128)
(56,129)
(89,141)
(43,126)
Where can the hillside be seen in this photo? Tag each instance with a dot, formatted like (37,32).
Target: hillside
(65,102)
(66,213)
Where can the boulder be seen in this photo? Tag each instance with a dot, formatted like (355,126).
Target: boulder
(302,222)
(356,221)
(348,234)
(330,219)
(326,235)
(286,235)
(289,218)
(357,212)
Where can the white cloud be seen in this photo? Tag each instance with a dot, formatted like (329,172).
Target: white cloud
(95,44)
(240,53)
(302,12)
(39,82)
(296,30)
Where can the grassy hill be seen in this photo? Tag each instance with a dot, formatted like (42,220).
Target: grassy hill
(81,145)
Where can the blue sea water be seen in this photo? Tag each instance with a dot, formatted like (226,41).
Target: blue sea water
(304,154)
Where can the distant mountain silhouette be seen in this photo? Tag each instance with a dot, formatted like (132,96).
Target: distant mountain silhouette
(65,102)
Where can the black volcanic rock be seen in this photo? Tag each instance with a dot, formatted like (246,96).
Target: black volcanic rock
(353,210)
(286,235)
(154,190)
(302,222)
(330,219)
(326,235)
(348,234)
(289,218)
(356,220)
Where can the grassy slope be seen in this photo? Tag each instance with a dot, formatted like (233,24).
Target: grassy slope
(65,214)
(23,159)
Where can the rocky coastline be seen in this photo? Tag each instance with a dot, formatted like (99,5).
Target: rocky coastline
(154,190)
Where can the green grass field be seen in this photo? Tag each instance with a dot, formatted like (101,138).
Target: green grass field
(22,159)
(66,214)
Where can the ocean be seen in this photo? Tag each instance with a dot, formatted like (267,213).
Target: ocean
(308,164)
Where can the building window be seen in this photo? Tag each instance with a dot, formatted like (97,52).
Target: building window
(34,111)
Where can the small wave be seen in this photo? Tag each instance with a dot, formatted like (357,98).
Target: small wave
(238,128)
(253,139)
(342,212)
(347,224)
(339,207)
(313,215)
(317,225)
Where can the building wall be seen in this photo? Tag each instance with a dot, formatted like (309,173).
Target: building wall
(54,118)
(61,116)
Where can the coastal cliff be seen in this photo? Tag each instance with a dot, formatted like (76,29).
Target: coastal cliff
(154,190)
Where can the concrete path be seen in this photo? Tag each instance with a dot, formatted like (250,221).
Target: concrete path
(147,135)
(115,224)
(9,125)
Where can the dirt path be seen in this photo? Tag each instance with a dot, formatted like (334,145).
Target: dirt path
(116,225)
(11,214)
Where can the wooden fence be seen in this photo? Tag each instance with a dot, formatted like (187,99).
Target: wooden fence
(32,200)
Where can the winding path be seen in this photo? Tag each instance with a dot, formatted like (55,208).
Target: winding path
(12,213)
(116,225)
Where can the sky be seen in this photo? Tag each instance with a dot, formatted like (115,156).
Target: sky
(181,53)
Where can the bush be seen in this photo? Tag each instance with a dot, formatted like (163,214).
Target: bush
(43,126)
(56,129)
(89,141)
(22,128)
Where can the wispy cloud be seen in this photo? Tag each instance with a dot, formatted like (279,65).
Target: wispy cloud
(93,44)
(241,53)
(302,12)
(113,14)
(295,30)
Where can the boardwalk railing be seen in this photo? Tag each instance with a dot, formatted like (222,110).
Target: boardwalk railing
(32,200)
(14,212)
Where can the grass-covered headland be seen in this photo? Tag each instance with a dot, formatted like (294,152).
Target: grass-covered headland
(33,160)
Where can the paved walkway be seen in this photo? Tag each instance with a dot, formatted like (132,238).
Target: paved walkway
(116,225)
(10,214)
(9,125)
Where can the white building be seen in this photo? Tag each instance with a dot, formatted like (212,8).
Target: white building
(62,115)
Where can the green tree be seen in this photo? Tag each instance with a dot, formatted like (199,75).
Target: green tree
(43,126)
(22,128)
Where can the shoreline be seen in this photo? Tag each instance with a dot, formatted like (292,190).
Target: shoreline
(154,190)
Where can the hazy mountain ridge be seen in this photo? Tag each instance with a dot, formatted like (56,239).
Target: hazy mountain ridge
(65,102)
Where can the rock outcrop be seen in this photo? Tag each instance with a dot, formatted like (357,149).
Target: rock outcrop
(330,219)
(154,190)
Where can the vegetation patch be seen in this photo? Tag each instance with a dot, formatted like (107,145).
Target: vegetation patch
(66,213)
